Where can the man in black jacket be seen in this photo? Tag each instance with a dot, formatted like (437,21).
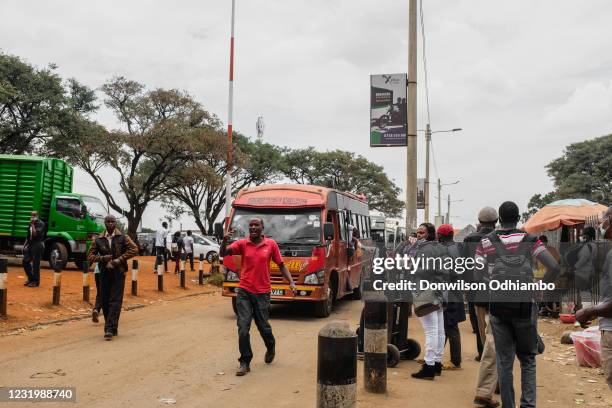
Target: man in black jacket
(33,250)
(111,250)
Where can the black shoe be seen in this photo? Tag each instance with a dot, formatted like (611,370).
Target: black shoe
(108,336)
(94,315)
(243,370)
(269,356)
(478,358)
(427,372)
(438,369)
(32,285)
(26,283)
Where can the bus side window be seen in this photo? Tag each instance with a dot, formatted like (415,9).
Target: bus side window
(342,225)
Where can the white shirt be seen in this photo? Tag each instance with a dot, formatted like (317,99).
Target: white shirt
(160,237)
(188,241)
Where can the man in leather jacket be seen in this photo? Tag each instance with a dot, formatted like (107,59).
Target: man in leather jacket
(111,250)
(33,250)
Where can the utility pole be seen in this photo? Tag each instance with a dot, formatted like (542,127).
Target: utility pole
(448,210)
(439,198)
(411,136)
(427,141)
(228,176)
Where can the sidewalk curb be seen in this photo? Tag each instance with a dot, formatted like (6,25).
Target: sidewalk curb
(18,330)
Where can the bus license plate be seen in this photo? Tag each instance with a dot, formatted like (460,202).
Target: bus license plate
(278,292)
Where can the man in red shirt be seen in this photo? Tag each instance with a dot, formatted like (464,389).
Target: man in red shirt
(253,292)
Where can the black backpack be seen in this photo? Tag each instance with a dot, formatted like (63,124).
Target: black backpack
(514,267)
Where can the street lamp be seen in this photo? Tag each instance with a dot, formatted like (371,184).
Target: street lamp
(439,197)
(428,134)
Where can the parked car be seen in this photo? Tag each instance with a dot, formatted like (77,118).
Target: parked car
(146,243)
(201,245)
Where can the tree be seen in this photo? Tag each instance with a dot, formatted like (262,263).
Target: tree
(161,131)
(344,171)
(584,171)
(199,190)
(35,106)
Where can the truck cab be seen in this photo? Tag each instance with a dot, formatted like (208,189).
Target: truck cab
(73,220)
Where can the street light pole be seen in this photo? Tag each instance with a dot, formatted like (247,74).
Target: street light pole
(228,175)
(411,136)
(427,141)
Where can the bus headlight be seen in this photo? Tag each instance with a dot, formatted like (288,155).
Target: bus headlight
(316,278)
(231,276)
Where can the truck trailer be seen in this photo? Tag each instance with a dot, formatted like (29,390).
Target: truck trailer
(30,183)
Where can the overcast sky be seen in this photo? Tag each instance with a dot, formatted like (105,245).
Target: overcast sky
(522,78)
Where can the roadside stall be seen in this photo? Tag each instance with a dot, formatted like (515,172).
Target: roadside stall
(563,223)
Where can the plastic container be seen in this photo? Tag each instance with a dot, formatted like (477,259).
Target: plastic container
(588,348)
(567,318)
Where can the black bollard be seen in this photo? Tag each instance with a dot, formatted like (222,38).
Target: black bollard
(375,347)
(201,270)
(85,281)
(134,277)
(160,273)
(57,284)
(3,286)
(337,366)
(182,271)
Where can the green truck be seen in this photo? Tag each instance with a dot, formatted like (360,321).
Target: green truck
(30,183)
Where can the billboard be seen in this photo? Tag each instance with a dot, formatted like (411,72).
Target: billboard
(388,110)
(421,194)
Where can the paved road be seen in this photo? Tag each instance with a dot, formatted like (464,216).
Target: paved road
(186,351)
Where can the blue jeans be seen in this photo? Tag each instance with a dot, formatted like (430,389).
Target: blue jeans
(252,306)
(516,336)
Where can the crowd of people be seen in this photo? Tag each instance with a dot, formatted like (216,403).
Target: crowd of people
(505,328)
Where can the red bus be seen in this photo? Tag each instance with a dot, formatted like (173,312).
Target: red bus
(312,226)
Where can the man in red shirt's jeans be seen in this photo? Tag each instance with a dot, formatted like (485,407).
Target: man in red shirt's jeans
(253,292)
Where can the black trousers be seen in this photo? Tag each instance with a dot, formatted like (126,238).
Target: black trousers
(98,302)
(474,323)
(189,256)
(113,283)
(454,338)
(252,306)
(31,260)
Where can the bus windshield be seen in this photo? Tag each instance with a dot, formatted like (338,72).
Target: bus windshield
(285,226)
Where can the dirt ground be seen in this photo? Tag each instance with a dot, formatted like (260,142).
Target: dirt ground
(29,306)
(183,353)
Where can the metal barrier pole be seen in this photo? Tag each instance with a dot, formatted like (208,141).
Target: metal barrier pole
(160,273)
(134,277)
(182,271)
(85,281)
(375,347)
(337,366)
(57,284)
(201,270)
(3,286)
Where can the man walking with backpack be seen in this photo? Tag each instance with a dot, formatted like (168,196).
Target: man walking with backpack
(508,253)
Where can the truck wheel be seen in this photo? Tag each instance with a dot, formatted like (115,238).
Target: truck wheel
(412,351)
(324,307)
(58,256)
(210,256)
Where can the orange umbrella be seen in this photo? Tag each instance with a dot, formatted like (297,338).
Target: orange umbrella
(563,212)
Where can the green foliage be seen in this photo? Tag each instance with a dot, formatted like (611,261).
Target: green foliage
(216,279)
(536,202)
(161,131)
(347,172)
(584,171)
(35,106)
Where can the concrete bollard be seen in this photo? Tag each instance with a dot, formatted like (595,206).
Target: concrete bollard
(215,266)
(85,281)
(201,270)
(160,273)
(375,347)
(134,277)
(182,271)
(57,284)
(337,366)
(3,286)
